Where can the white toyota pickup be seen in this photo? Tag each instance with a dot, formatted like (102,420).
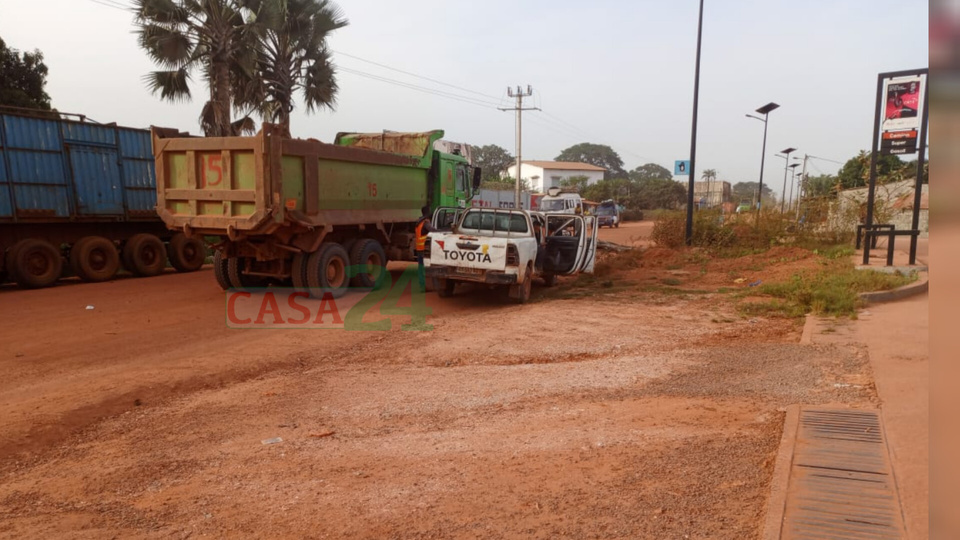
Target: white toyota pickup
(507,248)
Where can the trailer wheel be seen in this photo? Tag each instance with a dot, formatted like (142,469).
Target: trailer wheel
(144,255)
(298,272)
(327,270)
(220,270)
(239,280)
(94,258)
(370,262)
(186,254)
(35,263)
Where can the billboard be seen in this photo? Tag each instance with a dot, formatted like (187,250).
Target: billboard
(902,103)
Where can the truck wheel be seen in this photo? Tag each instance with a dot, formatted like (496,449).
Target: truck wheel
(298,271)
(549,279)
(220,270)
(144,255)
(186,254)
(35,263)
(523,291)
(327,270)
(3,265)
(94,259)
(370,262)
(239,280)
(444,287)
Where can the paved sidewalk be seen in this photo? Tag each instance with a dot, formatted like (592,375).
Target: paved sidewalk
(897,338)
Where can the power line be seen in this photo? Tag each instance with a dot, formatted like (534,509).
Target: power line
(435,81)
(112,4)
(432,91)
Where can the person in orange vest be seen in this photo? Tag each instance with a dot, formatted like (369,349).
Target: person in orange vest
(423,227)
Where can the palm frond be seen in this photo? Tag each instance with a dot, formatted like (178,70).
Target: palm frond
(171,85)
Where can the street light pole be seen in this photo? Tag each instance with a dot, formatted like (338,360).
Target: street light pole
(693,135)
(786,167)
(765,111)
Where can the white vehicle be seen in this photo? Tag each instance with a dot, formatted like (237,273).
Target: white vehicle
(560,202)
(507,248)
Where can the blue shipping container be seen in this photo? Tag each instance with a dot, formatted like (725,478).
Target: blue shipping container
(61,170)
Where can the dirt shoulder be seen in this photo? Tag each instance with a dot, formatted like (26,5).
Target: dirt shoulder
(642,414)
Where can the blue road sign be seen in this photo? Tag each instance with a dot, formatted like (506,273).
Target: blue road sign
(681,168)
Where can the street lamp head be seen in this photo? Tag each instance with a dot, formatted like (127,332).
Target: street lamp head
(788,150)
(794,165)
(767,108)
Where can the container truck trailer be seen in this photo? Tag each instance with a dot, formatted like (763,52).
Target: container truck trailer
(305,212)
(78,197)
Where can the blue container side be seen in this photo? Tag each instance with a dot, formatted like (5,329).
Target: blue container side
(96,181)
(140,185)
(31,133)
(89,133)
(135,143)
(6,205)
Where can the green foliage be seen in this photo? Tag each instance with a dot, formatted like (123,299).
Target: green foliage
(659,193)
(23,77)
(600,155)
(578,183)
(856,171)
(710,175)
(493,161)
(747,191)
(650,171)
(708,230)
(505,184)
(291,56)
(833,290)
(821,186)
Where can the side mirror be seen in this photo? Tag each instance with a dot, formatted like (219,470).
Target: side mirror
(477,177)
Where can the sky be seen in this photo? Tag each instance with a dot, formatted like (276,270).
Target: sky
(619,73)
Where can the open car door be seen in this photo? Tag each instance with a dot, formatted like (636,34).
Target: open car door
(592,225)
(566,244)
(445,217)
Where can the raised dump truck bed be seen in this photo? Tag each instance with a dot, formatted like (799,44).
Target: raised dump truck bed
(303,210)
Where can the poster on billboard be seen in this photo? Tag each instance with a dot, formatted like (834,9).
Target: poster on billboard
(902,103)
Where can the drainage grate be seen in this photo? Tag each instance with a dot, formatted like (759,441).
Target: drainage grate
(841,484)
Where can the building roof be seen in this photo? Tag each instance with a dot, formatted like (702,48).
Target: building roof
(564,165)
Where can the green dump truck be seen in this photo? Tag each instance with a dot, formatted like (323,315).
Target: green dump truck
(304,212)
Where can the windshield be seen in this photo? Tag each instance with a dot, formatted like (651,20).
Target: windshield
(551,205)
(607,211)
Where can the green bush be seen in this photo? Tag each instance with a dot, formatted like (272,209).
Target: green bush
(709,230)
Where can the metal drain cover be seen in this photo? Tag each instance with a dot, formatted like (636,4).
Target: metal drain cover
(841,484)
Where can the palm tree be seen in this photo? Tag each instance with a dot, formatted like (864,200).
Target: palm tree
(211,37)
(293,56)
(710,174)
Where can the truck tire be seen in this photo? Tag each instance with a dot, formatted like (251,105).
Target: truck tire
(144,255)
(94,259)
(523,290)
(549,279)
(239,280)
(368,253)
(298,272)
(186,254)
(220,270)
(327,270)
(444,287)
(35,263)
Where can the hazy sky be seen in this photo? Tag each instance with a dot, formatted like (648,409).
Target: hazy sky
(617,73)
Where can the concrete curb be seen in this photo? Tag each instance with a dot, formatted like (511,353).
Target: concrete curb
(920,286)
(777,501)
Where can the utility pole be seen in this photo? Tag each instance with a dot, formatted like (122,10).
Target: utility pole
(801,186)
(688,233)
(519,94)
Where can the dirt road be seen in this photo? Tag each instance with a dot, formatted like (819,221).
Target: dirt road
(614,416)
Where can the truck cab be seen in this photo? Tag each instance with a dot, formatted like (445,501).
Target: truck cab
(507,248)
(560,202)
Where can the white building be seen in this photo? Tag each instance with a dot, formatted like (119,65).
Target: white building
(542,175)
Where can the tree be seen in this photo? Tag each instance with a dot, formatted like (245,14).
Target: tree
(23,77)
(595,154)
(649,172)
(659,193)
(823,185)
(504,184)
(709,175)
(856,171)
(292,56)
(211,37)
(747,191)
(576,182)
(492,160)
